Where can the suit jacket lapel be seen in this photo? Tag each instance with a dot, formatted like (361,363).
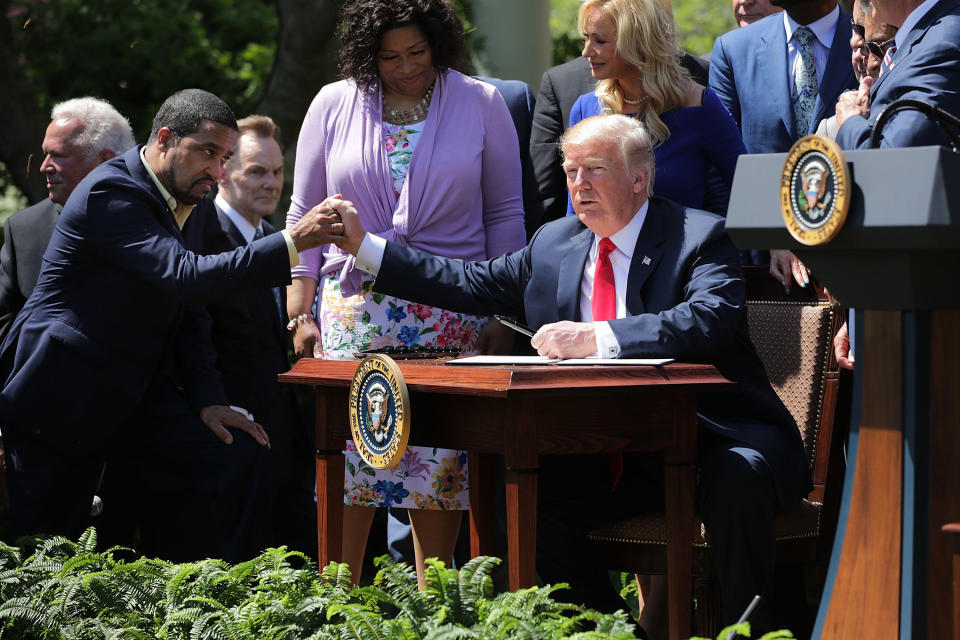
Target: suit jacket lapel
(773,75)
(910,40)
(232,232)
(574,258)
(837,75)
(139,173)
(646,257)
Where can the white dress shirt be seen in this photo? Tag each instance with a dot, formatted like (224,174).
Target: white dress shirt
(626,242)
(824,29)
(243,225)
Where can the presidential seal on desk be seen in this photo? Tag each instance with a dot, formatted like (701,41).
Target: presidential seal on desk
(379,412)
(814,190)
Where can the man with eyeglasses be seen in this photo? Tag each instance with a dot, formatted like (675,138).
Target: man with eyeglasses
(922,63)
(868,43)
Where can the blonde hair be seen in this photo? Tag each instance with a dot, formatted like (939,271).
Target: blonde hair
(645,41)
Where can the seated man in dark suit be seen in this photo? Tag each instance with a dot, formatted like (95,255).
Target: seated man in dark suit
(118,304)
(630,276)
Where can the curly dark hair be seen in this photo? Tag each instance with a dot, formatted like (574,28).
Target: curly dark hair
(363,22)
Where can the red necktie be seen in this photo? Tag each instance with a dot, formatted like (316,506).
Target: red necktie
(603,305)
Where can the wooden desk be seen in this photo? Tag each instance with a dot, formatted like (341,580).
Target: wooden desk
(523,412)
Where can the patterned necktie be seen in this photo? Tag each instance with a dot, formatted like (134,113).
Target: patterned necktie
(804,81)
(603,305)
(603,302)
(257,235)
(888,62)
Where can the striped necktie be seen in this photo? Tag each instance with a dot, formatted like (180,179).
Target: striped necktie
(888,62)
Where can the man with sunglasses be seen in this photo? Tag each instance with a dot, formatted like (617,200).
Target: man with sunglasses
(922,63)
(868,43)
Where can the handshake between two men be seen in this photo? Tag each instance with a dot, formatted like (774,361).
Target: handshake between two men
(338,219)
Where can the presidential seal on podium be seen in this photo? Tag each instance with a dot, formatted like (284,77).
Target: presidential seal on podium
(379,412)
(814,190)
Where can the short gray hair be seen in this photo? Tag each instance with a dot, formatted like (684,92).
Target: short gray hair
(103,126)
(632,135)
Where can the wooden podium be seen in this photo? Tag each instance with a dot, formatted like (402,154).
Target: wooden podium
(895,262)
(523,412)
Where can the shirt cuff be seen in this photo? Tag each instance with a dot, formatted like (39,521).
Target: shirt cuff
(370,254)
(607,344)
(291,248)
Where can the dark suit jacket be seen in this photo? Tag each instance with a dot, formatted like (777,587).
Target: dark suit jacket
(25,238)
(926,68)
(686,303)
(117,294)
(520,103)
(249,334)
(748,70)
(560,87)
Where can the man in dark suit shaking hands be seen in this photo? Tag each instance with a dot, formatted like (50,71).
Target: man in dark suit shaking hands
(119,303)
(630,276)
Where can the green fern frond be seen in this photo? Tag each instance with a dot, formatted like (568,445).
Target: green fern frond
(87,542)
(26,609)
(337,575)
(450,631)
(358,622)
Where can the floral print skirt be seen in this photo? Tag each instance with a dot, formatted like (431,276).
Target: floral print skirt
(426,478)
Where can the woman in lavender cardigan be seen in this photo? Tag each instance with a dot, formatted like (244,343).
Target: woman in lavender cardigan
(430,159)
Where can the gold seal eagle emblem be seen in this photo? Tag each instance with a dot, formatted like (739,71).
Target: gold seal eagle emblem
(379,407)
(815,190)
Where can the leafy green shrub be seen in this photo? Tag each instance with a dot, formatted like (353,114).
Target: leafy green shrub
(69,590)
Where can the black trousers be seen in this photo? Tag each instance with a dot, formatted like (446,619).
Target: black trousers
(735,497)
(175,491)
(51,491)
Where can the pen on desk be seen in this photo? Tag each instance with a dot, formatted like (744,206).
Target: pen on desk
(515,326)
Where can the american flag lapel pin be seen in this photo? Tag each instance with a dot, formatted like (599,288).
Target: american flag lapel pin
(646,261)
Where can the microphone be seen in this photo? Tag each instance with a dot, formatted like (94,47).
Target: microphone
(947,122)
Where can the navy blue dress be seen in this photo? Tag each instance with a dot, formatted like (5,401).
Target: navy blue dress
(700,136)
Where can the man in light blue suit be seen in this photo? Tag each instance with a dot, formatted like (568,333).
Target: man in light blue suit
(924,65)
(753,69)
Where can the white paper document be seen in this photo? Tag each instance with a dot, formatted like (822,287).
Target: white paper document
(623,362)
(503,360)
(617,362)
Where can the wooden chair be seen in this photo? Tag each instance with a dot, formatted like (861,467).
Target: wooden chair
(794,338)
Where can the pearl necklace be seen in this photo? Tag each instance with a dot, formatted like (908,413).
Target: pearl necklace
(414,114)
(637,101)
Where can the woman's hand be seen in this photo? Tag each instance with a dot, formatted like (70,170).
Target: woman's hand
(306,339)
(786,267)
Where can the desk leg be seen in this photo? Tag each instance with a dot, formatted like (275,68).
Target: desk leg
(329,506)
(522,527)
(481,504)
(679,480)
